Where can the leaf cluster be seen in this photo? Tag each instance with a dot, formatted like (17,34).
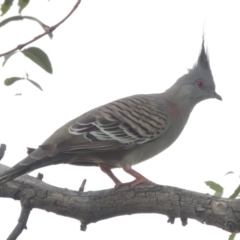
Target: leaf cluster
(35,54)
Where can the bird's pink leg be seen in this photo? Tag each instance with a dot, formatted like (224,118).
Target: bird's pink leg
(140,179)
(108,171)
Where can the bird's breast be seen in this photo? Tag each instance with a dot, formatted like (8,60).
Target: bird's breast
(177,121)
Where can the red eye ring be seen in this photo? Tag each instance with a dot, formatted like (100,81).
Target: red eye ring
(199,84)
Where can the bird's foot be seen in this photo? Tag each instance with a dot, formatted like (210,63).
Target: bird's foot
(135,183)
(139,181)
(118,184)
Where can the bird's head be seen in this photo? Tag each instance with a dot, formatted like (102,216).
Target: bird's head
(198,84)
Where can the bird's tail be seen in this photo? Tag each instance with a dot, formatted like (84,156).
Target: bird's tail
(14,172)
(27,165)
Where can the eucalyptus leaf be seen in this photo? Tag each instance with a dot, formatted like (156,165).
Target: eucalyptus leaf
(10,19)
(35,84)
(236,192)
(39,57)
(10,81)
(6,6)
(19,17)
(6,57)
(22,4)
(215,187)
(232,236)
(43,25)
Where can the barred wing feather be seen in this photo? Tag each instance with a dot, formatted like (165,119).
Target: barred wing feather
(130,121)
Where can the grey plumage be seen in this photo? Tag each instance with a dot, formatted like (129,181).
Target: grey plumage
(124,132)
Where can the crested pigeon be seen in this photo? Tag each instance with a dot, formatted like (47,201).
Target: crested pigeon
(124,132)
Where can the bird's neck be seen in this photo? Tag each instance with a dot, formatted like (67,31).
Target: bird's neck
(172,95)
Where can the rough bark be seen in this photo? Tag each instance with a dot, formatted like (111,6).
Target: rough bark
(89,207)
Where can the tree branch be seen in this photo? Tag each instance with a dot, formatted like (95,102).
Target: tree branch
(89,207)
(47,31)
(22,221)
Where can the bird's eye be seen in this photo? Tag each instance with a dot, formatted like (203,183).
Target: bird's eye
(199,84)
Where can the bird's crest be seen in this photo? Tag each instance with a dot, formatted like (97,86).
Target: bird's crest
(203,59)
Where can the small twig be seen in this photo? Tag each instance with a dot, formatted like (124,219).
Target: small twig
(3,148)
(22,221)
(49,30)
(40,176)
(81,189)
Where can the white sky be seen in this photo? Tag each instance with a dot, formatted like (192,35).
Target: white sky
(112,49)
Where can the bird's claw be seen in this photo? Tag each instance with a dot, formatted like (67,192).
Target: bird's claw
(135,183)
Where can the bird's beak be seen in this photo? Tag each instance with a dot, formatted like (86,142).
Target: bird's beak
(217,96)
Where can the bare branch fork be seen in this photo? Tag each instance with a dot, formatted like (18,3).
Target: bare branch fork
(89,207)
(47,31)
(22,221)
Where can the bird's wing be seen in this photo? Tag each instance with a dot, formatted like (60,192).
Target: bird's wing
(124,123)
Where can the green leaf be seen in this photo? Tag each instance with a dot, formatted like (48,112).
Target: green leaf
(22,4)
(17,18)
(215,187)
(7,20)
(43,25)
(236,192)
(10,81)
(6,57)
(39,57)
(6,6)
(35,84)
(232,236)
(230,172)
